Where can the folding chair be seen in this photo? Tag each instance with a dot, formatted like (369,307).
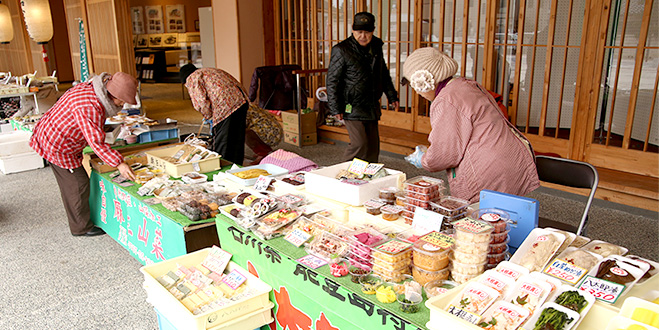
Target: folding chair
(570,173)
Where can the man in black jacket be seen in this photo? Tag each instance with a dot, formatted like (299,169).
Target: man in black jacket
(356,78)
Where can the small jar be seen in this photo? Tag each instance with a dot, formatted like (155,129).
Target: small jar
(391,212)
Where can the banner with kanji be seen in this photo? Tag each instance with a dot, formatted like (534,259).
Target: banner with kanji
(84,62)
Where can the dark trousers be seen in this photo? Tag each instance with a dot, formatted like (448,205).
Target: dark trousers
(364,140)
(229,136)
(74,188)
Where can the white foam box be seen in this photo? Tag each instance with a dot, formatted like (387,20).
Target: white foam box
(14,142)
(20,162)
(180,317)
(322,182)
(155,158)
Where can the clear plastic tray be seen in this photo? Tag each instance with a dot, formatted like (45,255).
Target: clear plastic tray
(424,185)
(570,313)
(450,206)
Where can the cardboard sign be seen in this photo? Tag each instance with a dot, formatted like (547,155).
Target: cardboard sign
(234,279)
(297,237)
(565,271)
(426,220)
(357,166)
(602,290)
(217,260)
(262,183)
(312,261)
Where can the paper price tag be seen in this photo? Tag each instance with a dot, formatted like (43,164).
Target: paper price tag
(373,168)
(312,261)
(297,237)
(262,183)
(426,220)
(602,290)
(234,279)
(196,167)
(357,166)
(565,271)
(195,158)
(442,240)
(463,314)
(217,260)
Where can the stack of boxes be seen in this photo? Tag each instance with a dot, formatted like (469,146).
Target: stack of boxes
(299,130)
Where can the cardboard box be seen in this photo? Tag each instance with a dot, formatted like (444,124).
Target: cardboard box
(290,122)
(100,167)
(181,318)
(157,158)
(303,140)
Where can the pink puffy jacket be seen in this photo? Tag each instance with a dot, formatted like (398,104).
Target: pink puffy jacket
(477,146)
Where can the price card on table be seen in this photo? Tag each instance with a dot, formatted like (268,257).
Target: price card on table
(373,168)
(565,271)
(297,237)
(217,260)
(463,314)
(357,166)
(234,279)
(262,183)
(602,290)
(312,261)
(426,220)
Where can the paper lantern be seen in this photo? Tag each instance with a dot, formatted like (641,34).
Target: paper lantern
(38,20)
(6,28)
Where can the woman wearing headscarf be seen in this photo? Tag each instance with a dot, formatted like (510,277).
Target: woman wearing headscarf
(470,138)
(75,121)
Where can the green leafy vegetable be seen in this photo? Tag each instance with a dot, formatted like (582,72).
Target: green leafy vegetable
(464,302)
(521,300)
(489,324)
(551,319)
(572,300)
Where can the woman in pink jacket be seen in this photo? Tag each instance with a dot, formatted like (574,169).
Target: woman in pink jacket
(470,137)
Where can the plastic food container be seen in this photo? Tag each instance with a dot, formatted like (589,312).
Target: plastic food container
(388,193)
(469,258)
(495,259)
(499,238)
(435,288)
(373,206)
(393,251)
(425,185)
(357,272)
(395,275)
(391,212)
(450,206)
(410,203)
(423,276)
(468,247)
(370,283)
(474,231)
(408,220)
(387,265)
(499,247)
(386,293)
(409,303)
(429,256)
(466,269)
(499,219)
(401,200)
(462,278)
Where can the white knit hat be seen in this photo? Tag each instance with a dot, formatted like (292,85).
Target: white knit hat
(426,67)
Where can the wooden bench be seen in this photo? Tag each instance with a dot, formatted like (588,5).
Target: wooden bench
(615,186)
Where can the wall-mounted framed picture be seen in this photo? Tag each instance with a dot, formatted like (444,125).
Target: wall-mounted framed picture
(137,17)
(170,39)
(154,23)
(175,18)
(142,41)
(155,40)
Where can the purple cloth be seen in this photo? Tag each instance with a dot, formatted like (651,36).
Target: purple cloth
(290,161)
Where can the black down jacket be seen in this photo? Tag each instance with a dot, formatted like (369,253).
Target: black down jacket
(358,76)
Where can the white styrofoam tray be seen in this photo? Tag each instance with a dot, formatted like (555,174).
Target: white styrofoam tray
(274,170)
(14,142)
(322,182)
(20,162)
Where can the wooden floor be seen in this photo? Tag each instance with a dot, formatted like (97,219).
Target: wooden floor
(615,186)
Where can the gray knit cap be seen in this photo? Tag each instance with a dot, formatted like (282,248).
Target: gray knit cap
(439,65)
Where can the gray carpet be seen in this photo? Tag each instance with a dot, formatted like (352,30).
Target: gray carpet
(52,280)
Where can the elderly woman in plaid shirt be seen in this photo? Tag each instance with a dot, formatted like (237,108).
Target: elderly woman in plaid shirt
(75,121)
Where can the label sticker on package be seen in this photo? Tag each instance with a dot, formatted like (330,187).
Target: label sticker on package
(373,168)
(217,260)
(196,167)
(312,261)
(297,237)
(426,221)
(565,271)
(290,199)
(393,246)
(602,290)
(473,226)
(442,240)
(234,279)
(357,166)
(262,183)
(463,314)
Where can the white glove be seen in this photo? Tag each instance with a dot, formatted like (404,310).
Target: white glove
(416,157)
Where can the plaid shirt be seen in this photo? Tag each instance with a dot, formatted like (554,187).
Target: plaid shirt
(215,93)
(75,121)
